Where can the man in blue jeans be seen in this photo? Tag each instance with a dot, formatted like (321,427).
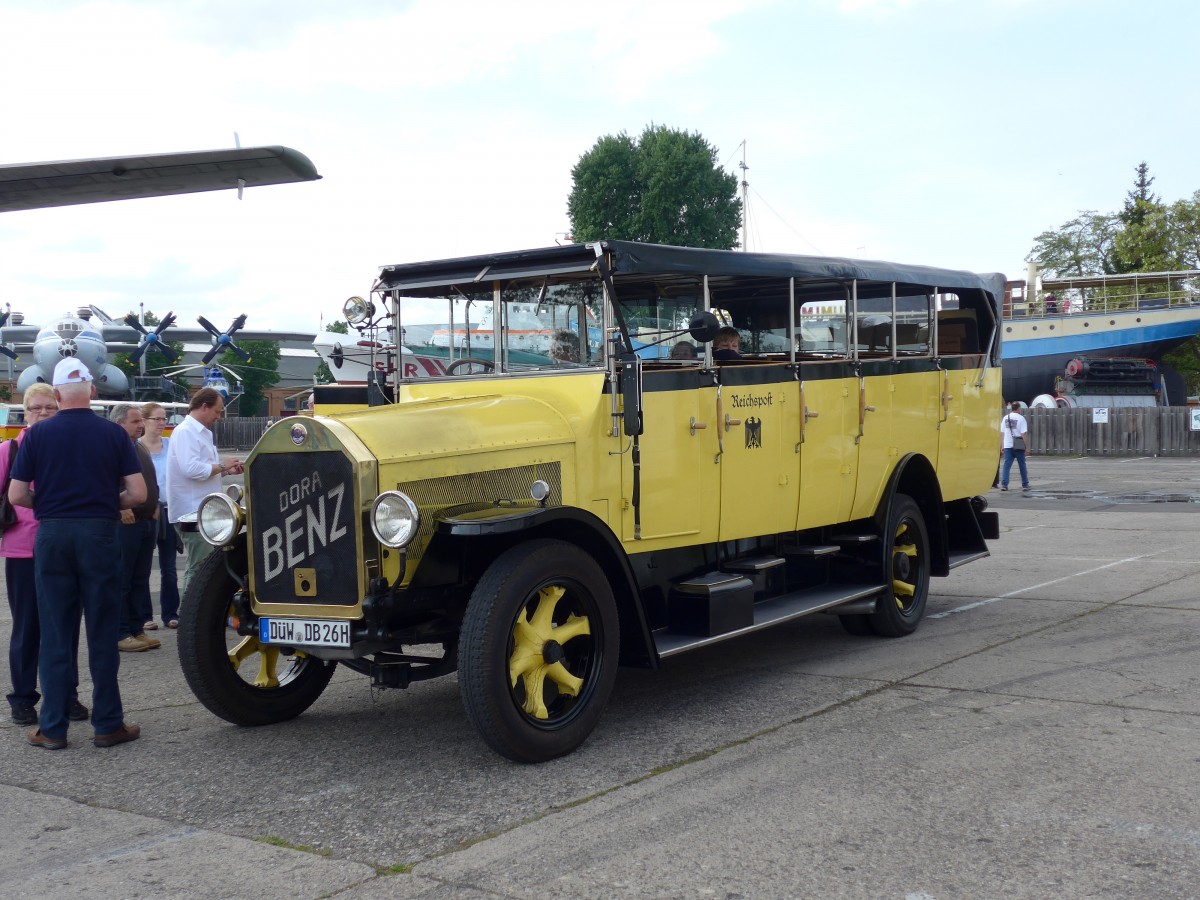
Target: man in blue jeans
(137,533)
(86,472)
(1013,432)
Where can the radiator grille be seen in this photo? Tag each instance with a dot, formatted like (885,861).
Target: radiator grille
(303,528)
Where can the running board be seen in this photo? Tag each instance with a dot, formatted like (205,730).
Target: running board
(961,559)
(768,613)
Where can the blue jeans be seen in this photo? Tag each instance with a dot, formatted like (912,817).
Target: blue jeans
(137,558)
(168,596)
(78,572)
(27,634)
(1009,455)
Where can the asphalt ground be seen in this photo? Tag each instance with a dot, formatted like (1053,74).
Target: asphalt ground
(1039,736)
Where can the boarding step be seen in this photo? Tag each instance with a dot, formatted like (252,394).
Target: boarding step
(752,564)
(855,538)
(813,550)
(712,603)
(959,558)
(765,614)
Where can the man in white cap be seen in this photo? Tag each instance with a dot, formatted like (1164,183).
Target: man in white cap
(86,472)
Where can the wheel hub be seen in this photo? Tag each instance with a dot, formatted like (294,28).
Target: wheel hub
(552,652)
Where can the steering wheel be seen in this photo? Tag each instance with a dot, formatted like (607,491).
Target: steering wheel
(466,366)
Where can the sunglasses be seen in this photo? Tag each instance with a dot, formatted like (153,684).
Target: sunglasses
(156,418)
(41,409)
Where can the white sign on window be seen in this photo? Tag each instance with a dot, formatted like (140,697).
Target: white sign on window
(1100,415)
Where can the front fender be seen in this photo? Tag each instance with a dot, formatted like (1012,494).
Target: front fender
(493,528)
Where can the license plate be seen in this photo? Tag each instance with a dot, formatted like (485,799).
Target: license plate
(304,632)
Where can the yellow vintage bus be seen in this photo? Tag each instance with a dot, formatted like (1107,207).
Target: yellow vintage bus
(12,415)
(596,495)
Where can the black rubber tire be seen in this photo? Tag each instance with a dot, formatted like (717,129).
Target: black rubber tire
(897,613)
(858,625)
(204,639)
(508,590)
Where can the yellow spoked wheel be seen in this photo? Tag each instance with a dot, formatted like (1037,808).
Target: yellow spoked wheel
(900,610)
(263,665)
(538,650)
(235,676)
(541,652)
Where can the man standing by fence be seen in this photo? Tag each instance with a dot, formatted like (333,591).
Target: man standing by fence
(1013,430)
(194,471)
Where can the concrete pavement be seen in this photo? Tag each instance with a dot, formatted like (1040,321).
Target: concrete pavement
(1038,736)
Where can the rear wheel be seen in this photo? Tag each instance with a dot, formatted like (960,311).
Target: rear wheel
(235,676)
(538,650)
(902,605)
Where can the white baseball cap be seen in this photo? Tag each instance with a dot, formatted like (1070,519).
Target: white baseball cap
(71,371)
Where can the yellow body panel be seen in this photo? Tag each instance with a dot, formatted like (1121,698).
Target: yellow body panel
(715,464)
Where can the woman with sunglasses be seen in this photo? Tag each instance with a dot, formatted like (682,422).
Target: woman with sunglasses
(156,445)
(16,548)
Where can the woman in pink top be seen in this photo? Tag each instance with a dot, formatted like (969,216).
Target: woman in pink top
(16,548)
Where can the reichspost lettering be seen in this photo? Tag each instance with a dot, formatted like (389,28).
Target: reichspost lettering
(286,546)
(751,401)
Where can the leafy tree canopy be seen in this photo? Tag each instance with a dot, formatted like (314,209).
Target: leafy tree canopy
(664,188)
(1145,235)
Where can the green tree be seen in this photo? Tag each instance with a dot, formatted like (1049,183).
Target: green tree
(322,375)
(254,376)
(664,188)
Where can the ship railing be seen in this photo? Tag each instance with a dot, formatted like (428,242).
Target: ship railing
(1103,294)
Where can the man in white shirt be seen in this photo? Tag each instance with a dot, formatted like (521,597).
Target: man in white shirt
(194,471)
(1013,432)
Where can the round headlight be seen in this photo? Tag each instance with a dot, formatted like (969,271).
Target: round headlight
(219,519)
(394,519)
(357,310)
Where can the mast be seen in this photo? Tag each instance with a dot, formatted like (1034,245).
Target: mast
(745,199)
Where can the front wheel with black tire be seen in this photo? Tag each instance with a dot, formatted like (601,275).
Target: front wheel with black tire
(235,676)
(538,650)
(899,610)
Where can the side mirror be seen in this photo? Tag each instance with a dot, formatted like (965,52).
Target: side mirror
(703,327)
(631,393)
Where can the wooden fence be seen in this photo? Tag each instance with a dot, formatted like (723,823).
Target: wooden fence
(235,433)
(1142,431)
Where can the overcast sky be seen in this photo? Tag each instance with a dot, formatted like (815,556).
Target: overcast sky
(943,132)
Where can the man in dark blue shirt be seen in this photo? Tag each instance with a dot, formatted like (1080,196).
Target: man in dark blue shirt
(86,472)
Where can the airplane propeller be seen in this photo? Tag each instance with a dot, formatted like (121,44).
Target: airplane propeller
(5,351)
(223,340)
(152,338)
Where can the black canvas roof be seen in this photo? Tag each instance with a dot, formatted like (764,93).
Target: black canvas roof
(631,259)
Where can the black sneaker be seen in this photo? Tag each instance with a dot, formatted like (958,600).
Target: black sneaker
(24,715)
(78,712)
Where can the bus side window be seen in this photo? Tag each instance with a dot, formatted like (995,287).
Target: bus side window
(957,334)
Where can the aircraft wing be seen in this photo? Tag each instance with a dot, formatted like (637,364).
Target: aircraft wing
(72,182)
